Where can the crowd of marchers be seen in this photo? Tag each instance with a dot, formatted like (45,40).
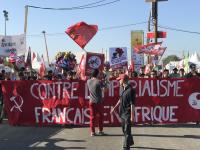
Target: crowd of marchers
(107,74)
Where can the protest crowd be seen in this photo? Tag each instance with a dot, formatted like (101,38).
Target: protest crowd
(61,72)
(54,86)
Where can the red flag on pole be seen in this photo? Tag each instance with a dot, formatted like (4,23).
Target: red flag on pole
(132,66)
(151,49)
(42,67)
(82,33)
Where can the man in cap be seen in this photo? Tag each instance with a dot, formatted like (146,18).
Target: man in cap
(95,102)
(126,103)
(175,73)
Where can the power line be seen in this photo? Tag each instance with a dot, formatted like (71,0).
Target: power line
(101,29)
(180,30)
(123,26)
(87,6)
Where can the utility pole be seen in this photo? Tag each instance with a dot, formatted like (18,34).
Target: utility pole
(6,18)
(148,40)
(155,19)
(155,16)
(25,19)
(46,46)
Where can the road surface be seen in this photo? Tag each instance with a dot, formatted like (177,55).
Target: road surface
(146,137)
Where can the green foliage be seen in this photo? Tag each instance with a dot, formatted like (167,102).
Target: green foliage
(170,58)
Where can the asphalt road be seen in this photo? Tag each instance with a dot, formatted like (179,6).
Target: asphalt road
(146,137)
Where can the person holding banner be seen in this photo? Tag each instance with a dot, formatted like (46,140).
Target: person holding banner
(126,109)
(95,102)
(193,72)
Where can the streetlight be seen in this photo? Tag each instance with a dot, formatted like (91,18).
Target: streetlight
(6,18)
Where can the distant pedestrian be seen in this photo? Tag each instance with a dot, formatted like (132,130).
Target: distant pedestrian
(126,103)
(95,103)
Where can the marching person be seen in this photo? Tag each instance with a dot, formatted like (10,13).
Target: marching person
(193,72)
(165,73)
(95,102)
(182,73)
(126,106)
(175,73)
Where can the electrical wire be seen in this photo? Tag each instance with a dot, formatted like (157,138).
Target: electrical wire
(176,29)
(180,30)
(87,6)
(68,8)
(122,26)
(101,29)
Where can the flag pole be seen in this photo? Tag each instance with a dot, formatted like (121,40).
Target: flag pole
(84,50)
(159,59)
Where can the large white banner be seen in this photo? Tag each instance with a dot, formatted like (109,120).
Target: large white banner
(118,55)
(16,44)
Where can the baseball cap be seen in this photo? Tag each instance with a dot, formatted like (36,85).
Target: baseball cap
(123,77)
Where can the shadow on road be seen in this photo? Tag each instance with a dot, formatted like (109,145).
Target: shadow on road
(169,136)
(192,125)
(40,138)
(139,147)
(160,136)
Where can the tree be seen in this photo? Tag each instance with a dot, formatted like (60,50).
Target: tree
(170,58)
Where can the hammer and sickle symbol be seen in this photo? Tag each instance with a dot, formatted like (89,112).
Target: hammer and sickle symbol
(18,104)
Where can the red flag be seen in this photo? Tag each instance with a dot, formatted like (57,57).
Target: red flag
(82,33)
(81,68)
(151,48)
(132,67)
(160,51)
(160,34)
(42,67)
(12,57)
(132,64)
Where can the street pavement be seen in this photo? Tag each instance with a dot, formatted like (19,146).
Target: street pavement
(146,137)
